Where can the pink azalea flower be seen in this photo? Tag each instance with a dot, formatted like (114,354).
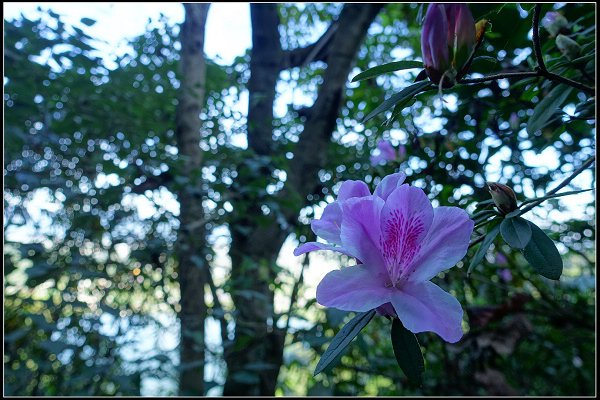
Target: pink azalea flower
(401,242)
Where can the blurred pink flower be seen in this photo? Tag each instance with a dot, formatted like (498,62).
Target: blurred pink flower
(505,274)
(385,152)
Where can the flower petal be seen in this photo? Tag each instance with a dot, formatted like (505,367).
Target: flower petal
(405,221)
(357,288)
(350,189)
(425,307)
(446,243)
(328,227)
(434,38)
(312,246)
(388,184)
(360,229)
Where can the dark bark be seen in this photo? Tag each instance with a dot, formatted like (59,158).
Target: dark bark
(255,247)
(191,240)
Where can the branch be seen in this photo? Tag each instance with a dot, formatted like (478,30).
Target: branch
(295,293)
(537,48)
(561,185)
(474,242)
(505,75)
(541,70)
(317,51)
(218,306)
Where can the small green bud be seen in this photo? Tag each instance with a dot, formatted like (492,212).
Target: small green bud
(503,196)
(555,23)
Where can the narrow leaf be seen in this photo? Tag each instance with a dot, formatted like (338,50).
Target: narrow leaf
(516,232)
(385,68)
(547,107)
(483,248)
(542,254)
(398,97)
(343,339)
(407,352)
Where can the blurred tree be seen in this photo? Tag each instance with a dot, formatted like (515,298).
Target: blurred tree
(191,242)
(96,151)
(256,242)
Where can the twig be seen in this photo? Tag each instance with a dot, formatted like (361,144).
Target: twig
(218,306)
(479,239)
(502,75)
(561,185)
(535,38)
(541,70)
(294,294)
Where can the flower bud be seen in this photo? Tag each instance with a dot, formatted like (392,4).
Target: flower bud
(447,39)
(555,23)
(503,196)
(568,47)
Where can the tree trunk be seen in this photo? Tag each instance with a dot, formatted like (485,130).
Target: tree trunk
(257,353)
(191,241)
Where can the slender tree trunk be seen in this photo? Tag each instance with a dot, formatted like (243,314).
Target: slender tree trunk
(257,353)
(191,241)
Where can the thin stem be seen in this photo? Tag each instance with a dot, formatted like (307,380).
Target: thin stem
(554,77)
(295,293)
(479,239)
(505,75)
(537,48)
(218,306)
(467,65)
(561,185)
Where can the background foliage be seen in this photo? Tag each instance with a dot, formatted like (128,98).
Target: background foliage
(90,221)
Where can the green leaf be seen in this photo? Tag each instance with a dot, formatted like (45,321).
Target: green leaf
(516,232)
(343,338)
(385,68)
(483,248)
(398,97)
(542,254)
(407,352)
(547,107)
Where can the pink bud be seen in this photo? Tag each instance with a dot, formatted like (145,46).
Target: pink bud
(447,39)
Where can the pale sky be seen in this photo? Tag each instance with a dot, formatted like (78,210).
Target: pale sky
(227,30)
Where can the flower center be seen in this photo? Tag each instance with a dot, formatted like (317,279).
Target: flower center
(399,244)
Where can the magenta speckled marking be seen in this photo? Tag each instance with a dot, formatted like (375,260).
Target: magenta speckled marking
(399,244)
